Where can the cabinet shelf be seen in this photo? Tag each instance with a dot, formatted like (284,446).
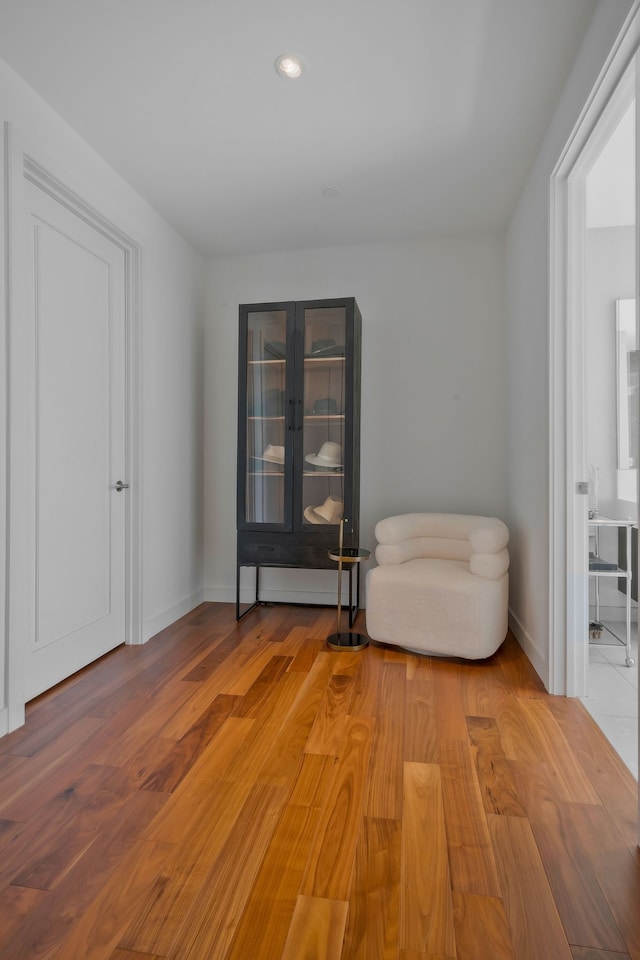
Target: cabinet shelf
(310,418)
(324,361)
(601,569)
(323,417)
(318,474)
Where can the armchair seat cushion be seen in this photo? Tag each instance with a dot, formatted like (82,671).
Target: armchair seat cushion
(439,594)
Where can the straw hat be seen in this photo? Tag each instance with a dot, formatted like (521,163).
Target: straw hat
(273,454)
(328,512)
(329,455)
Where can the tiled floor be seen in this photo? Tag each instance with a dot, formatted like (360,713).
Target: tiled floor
(613,694)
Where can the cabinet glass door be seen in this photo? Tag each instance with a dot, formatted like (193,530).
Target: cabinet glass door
(324,399)
(267,347)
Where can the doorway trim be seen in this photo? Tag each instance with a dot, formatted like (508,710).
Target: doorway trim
(567,537)
(25,166)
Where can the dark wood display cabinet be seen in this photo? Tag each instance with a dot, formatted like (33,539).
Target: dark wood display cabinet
(298,434)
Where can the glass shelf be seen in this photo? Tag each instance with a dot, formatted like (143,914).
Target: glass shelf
(323,474)
(600,569)
(323,360)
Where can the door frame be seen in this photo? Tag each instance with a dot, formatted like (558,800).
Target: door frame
(22,164)
(567,526)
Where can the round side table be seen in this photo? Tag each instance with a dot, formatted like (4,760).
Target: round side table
(343,639)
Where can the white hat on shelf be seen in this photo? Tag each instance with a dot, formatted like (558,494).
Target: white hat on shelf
(329,455)
(272,454)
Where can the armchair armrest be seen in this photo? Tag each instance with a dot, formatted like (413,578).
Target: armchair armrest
(489,535)
(491,566)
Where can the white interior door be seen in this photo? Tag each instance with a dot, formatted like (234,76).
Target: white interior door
(76,398)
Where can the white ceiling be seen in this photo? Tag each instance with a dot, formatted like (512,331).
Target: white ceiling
(424,115)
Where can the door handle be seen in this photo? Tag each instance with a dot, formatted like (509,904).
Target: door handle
(120,486)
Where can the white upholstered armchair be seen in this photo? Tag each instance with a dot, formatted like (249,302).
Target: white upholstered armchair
(441,585)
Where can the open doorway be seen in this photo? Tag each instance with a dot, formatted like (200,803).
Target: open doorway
(611,430)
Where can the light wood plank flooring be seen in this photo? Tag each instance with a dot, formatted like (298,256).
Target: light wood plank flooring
(241,792)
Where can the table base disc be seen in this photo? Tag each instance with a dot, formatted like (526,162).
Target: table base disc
(347,641)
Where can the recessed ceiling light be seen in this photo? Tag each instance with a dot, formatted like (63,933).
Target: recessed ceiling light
(290,65)
(330,193)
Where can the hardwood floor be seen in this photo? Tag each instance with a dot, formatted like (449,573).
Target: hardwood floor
(241,792)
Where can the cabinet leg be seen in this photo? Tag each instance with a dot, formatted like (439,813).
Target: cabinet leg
(255,603)
(629,661)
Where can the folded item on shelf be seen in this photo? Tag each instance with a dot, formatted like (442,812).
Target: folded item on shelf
(325,405)
(596,563)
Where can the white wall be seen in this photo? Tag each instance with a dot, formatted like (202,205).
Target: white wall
(527,260)
(172,415)
(172,288)
(433,383)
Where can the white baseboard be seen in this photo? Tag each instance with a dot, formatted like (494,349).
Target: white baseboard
(228,595)
(155,624)
(220,595)
(4,722)
(537,661)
